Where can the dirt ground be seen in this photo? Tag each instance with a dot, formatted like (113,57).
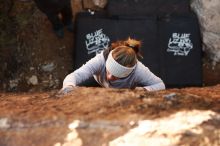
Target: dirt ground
(32,57)
(40,119)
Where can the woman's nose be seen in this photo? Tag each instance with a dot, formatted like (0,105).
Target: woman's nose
(111,77)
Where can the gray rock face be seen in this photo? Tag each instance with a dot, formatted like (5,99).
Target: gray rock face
(209,16)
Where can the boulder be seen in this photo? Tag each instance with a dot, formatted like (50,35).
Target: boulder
(111,117)
(209,16)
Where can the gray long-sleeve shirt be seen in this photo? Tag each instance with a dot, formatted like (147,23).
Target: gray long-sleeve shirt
(141,76)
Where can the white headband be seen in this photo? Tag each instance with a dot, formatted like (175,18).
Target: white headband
(117,69)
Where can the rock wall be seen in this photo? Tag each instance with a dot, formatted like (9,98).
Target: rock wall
(208,12)
(112,117)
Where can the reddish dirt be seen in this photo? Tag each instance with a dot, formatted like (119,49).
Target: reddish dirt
(32,116)
(93,103)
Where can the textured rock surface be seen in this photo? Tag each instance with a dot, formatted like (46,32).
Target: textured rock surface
(208,12)
(109,117)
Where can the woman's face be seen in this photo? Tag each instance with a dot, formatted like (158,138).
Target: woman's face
(110,77)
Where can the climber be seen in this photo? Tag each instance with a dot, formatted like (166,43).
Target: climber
(116,67)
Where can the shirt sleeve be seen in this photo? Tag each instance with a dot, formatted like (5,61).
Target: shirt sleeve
(147,79)
(85,72)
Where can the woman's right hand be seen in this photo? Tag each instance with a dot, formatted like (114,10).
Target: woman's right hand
(65,90)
